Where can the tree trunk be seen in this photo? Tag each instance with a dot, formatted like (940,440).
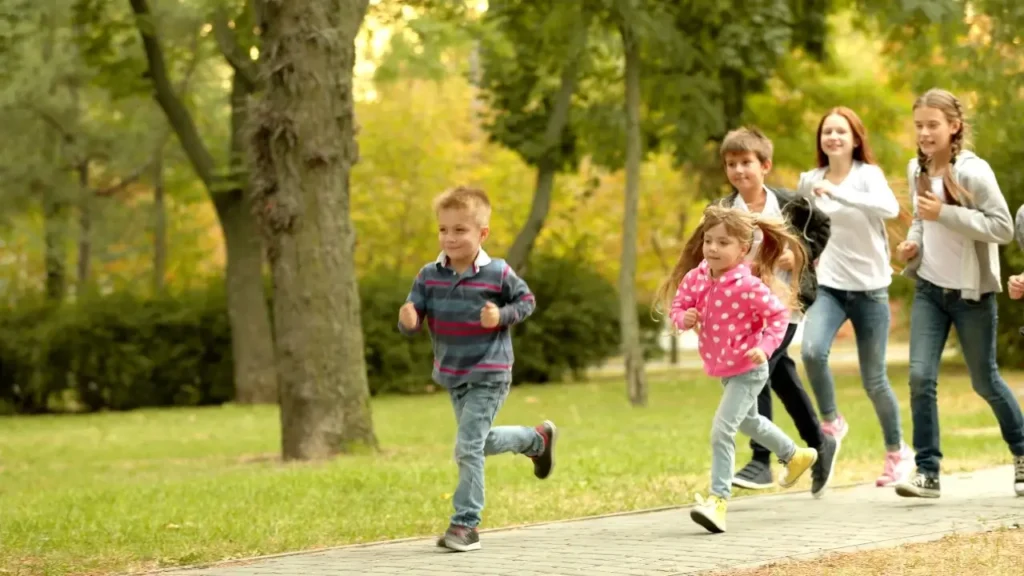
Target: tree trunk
(634,358)
(251,334)
(159,223)
(303,150)
(547,167)
(252,342)
(85,203)
(55,227)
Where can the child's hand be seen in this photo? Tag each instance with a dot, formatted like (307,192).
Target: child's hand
(689,319)
(928,206)
(408,316)
(1017,286)
(757,356)
(824,188)
(490,315)
(786,261)
(906,250)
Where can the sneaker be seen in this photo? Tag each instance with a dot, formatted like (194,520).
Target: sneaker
(543,464)
(756,475)
(1018,475)
(821,472)
(920,486)
(460,539)
(836,428)
(898,467)
(710,513)
(797,465)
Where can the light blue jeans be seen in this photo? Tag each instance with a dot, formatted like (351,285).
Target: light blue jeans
(868,311)
(738,411)
(476,404)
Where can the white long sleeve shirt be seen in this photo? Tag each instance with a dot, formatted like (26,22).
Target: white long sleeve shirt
(856,257)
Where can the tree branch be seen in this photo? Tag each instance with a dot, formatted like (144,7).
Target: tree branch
(66,135)
(228,44)
(125,182)
(177,115)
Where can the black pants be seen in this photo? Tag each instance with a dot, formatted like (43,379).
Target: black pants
(784,379)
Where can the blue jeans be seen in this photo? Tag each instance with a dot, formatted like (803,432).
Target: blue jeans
(476,404)
(738,411)
(869,312)
(934,310)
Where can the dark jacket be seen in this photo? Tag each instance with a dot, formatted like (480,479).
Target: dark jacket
(812,226)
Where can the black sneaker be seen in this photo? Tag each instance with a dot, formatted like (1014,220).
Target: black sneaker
(920,486)
(756,475)
(545,462)
(460,539)
(821,472)
(1018,475)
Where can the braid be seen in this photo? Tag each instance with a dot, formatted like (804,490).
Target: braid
(954,192)
(923,183)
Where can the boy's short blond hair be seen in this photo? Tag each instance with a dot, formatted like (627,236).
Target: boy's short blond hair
(747,139)
(474,200)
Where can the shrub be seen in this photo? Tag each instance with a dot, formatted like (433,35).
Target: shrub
(121,351)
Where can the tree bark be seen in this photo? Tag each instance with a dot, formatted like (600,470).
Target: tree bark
(547,167)
(252,341)
(303,150)
(159,223)
(630,324)
(251,334)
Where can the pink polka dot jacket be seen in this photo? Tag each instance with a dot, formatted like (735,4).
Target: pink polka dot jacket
(737,312)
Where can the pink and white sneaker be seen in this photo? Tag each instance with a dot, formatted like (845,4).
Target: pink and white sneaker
(898,467)
(836,428)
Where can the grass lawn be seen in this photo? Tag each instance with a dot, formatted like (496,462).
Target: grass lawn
(989,554)
(118,492)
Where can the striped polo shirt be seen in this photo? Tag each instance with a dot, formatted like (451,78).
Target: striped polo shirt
(465,351)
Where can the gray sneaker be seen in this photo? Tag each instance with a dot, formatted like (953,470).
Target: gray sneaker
(821,472)
(920,486)
(756,475)
(460,539)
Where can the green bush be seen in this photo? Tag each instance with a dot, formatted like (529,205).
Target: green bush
(121,352)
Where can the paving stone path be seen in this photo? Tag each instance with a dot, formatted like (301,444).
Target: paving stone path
(762,530)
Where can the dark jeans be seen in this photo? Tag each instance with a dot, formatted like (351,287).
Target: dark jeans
(785,381)
(934,310)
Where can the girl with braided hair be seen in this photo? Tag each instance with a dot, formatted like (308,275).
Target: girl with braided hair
(951,250)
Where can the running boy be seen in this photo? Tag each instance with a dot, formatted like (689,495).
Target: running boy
(469,301)
(747,156)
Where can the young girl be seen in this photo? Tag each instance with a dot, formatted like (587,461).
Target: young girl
(960,218)
(741,322)
(853,279)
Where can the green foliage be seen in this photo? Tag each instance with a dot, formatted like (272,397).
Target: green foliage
(576,324)
(119,352)
(122,352)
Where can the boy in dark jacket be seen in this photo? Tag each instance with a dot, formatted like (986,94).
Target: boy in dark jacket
(747,158)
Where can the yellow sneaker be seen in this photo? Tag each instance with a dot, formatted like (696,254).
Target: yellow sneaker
(710,513)
(797,465)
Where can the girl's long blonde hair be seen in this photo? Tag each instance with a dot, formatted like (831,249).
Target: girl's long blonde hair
(740,224)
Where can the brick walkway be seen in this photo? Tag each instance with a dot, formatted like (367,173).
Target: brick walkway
(761,530)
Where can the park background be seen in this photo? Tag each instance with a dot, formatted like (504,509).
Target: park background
(137,327)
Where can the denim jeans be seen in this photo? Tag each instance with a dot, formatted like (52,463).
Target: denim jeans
(784,380)
(868,311)
(738,411)
(476,404)
(934,310)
